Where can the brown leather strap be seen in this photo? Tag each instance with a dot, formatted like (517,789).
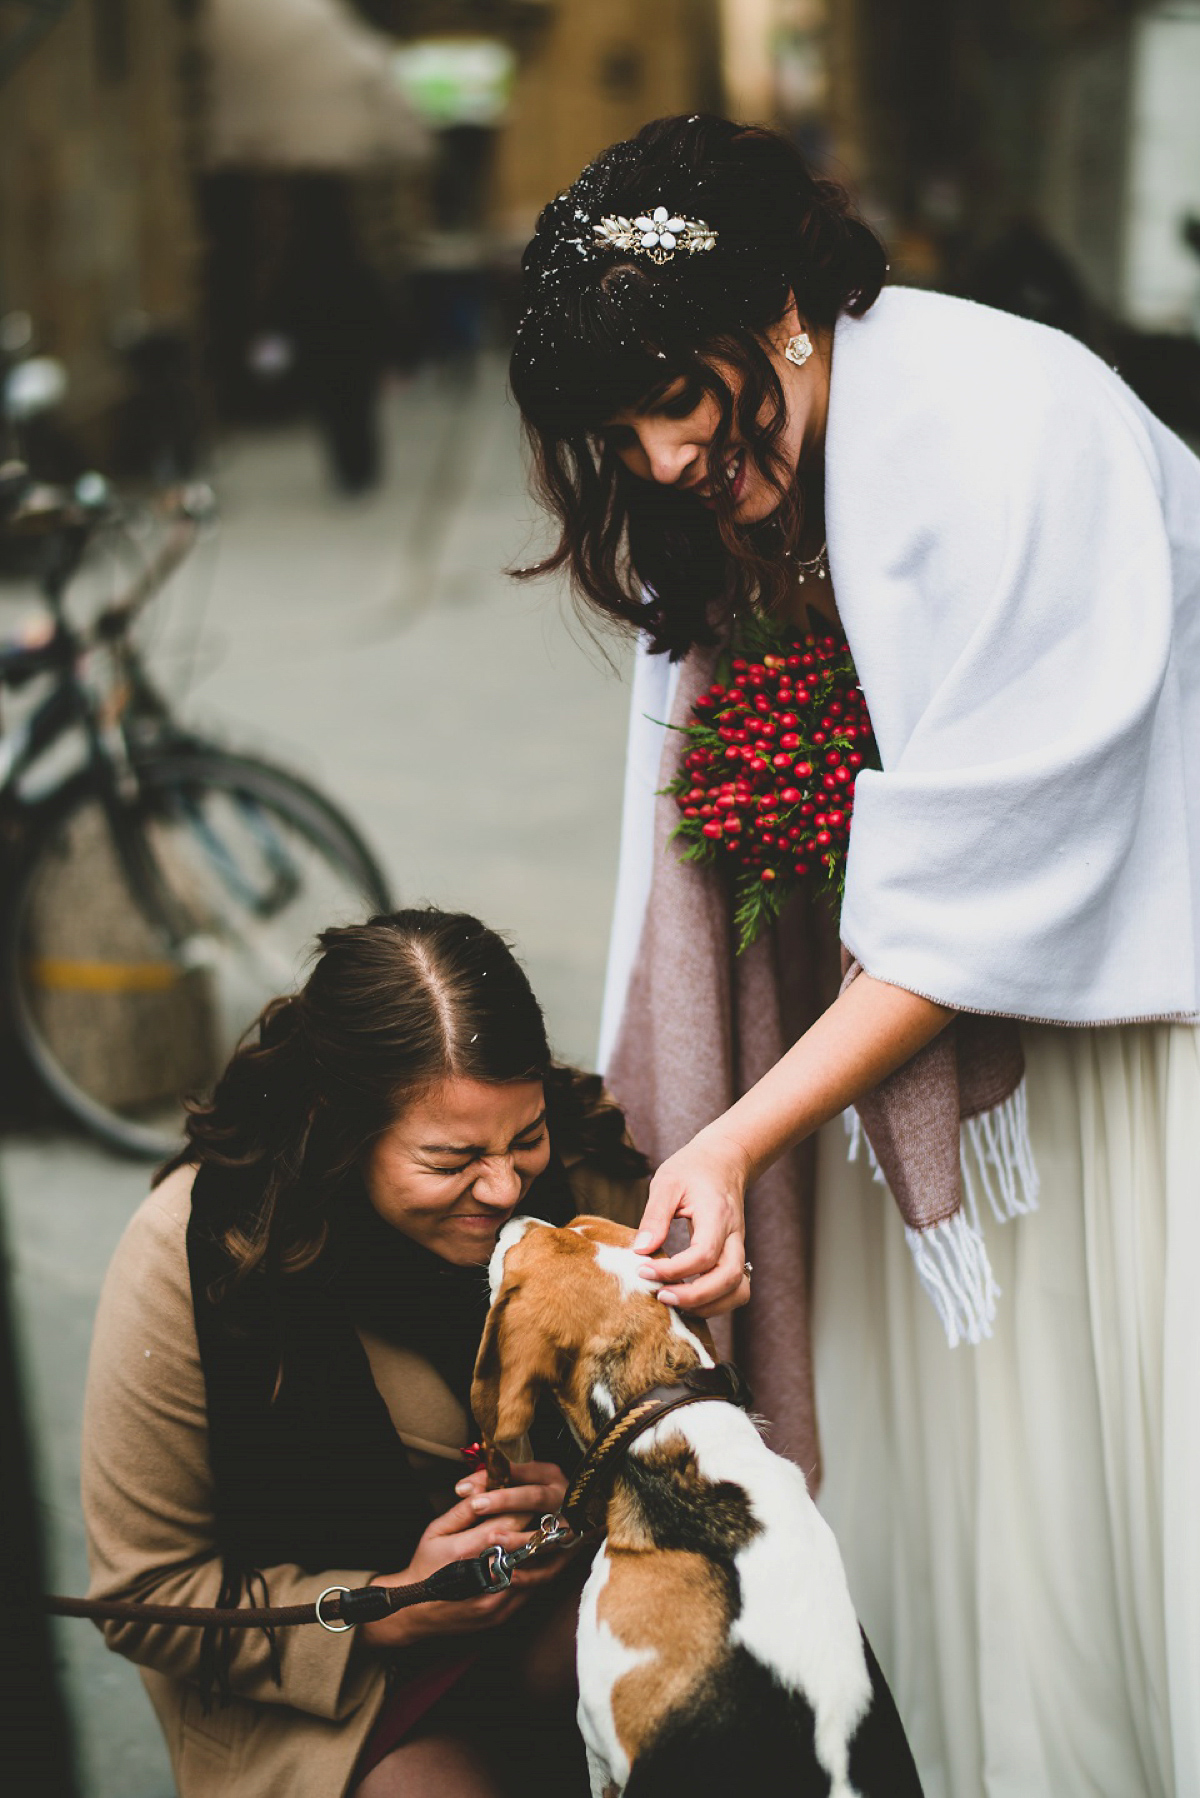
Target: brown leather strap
(584,1504)
(122,1610)
(456,1581)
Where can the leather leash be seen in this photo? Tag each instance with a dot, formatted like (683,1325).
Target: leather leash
(584,1504)
(339,1607)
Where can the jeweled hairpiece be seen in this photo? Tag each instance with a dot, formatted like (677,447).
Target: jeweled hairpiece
(656,235)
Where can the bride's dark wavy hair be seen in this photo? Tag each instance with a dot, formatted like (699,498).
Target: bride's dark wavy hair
(604,330)
(391,1008)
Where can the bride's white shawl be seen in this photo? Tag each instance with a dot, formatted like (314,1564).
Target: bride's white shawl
(1014,543)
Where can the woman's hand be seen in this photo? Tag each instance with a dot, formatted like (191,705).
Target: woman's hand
(480,1520)
(705,1184)
(870,1029)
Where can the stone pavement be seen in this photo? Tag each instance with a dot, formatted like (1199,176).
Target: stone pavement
(470,727)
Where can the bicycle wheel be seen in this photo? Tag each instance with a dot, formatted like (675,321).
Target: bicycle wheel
(134,973)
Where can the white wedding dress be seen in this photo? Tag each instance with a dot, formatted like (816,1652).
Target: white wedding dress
(1021,1521)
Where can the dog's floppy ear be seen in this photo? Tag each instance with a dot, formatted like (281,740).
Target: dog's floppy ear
(517,1356)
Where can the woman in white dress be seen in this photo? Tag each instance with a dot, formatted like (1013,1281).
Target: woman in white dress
(728,417)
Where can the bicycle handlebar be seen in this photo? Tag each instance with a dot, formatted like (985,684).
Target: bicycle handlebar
(50,511)
(15,482)
(33,508)
(20,662)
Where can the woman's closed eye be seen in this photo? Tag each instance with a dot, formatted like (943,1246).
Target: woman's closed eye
(681,402)
(523,1145)
(678,400)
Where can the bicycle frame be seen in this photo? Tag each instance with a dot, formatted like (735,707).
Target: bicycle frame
(117,736)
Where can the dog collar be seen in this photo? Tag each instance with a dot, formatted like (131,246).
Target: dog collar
(583,1506)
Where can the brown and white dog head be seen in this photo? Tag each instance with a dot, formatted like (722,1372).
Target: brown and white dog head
(572,1317)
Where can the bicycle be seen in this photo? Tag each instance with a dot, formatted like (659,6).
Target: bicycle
(163,888)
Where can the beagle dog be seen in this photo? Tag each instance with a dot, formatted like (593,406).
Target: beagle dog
(718,1648)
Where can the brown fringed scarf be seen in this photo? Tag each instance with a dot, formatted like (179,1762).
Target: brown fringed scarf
(700,1025)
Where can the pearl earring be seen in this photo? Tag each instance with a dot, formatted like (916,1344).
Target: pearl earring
(799,348)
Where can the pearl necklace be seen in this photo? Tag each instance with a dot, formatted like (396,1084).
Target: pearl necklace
(818,564)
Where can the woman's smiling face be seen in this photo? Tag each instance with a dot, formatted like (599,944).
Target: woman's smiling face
(669,440)
(452,1169)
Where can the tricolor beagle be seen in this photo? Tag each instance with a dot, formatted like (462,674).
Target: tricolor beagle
(718,1648)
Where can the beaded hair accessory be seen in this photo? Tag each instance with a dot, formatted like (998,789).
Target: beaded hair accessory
(656,235)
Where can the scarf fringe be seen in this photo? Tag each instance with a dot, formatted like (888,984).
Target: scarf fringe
(996,1159)
(952,1264)
(1001,1158)
(859,1140)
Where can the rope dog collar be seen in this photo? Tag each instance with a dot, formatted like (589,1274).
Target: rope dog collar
(588,1494)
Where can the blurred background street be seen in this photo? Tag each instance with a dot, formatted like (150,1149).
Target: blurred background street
(467,724)
(273,245)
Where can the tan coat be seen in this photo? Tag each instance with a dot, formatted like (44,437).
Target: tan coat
(148,1504)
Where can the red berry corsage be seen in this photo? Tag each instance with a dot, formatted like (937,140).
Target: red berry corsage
(767,787)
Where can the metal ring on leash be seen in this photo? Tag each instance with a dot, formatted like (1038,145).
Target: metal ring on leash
(335,1629)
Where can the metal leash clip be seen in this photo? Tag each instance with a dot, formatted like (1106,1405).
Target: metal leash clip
(503,1562)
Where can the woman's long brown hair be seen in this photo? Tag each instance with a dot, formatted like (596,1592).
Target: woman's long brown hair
(391,1007)
(605,330)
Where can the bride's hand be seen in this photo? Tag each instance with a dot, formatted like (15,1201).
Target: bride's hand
(705,1184)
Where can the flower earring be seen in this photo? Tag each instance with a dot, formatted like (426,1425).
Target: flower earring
(799,348)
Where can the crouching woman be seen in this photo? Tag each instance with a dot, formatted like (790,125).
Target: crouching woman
(278,1394)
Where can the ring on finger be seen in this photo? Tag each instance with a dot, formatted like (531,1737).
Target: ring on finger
(747,1269)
